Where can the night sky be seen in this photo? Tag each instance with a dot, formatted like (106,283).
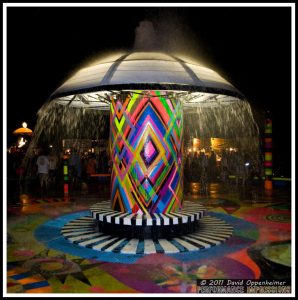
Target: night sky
(250,47)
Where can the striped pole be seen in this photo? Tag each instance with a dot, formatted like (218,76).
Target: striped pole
(268,153)
(65,178)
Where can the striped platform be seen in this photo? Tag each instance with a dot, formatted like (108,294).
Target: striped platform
(84,232)
(191,212)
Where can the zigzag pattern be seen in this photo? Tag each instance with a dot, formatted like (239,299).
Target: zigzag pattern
(146,148)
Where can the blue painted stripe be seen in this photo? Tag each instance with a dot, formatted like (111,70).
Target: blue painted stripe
(80,220)
(98,242)
(21,275)
(158,247)
(140,248)
(110,244)
(178,245)
(120,246)
(74,226)
(213,237)
(192,242)
(70,230)
(35,285)
(84,239)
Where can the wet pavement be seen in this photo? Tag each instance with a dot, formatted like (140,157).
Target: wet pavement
(41,262)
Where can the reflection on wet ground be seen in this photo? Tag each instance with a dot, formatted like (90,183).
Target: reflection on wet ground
(259,248)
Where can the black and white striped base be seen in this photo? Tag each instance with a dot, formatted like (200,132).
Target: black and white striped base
(84,232)
(190,213)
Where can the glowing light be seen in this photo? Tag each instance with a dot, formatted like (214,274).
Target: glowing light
(65,188)
(22,142)
(65,170)
(196,143)
(24,124)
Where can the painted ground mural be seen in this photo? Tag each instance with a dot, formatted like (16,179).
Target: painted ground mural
(146,147)
(40,260)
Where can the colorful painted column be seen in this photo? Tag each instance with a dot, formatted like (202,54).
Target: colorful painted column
(146,134)
(268,153)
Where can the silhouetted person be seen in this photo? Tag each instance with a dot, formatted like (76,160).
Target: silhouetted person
(91,166)
(75,166)
(224,167)
(203,163)
(212,166)
(196,169)
(240,169)
(53,165)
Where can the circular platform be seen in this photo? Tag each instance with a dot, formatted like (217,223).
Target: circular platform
(84,232)
(147,226)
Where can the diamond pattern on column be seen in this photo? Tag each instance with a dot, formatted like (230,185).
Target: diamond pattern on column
(149,152)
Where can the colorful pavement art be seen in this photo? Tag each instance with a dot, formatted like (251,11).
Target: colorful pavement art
(40,260)
(146,148)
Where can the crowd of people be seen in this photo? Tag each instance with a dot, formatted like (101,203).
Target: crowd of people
(82,166)
(203,168)
(42,173)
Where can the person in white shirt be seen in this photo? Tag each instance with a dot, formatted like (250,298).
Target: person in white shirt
(43,171)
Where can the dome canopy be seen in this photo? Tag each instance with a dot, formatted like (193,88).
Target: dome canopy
(91,86)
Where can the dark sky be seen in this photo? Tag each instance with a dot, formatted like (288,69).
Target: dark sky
(250,47)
